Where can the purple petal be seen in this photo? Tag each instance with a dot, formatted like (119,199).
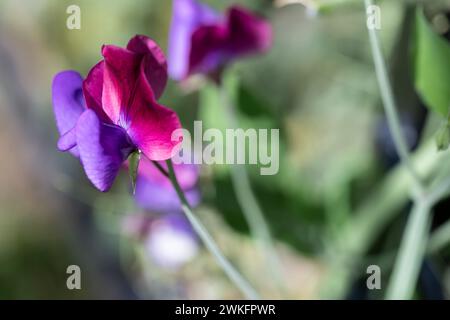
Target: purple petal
(187,16)
(68,102)
(103,148)
(193,197)
(68,141)
(160,198)
(68,105)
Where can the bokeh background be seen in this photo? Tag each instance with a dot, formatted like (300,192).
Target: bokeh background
(338,204)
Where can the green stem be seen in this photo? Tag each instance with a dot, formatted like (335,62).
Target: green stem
(416,241)
(209,242)
(412,250)
(390,107)
(439,238)
(161,169)
(248,202)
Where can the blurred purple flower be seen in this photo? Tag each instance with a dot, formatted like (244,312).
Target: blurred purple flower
(169,239)
(155,193)
(203,41)
(119,113)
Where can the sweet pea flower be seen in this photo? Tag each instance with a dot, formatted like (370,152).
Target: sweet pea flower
(155,193)
(114,111)
(204,41)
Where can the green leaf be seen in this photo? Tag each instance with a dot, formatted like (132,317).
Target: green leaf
(133,162)
(432,66)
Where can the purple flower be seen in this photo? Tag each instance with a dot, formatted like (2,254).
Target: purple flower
(155,193)
(203,41)
(114,111)
(169,239)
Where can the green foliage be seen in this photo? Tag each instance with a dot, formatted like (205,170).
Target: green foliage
(432,66)
(291,217)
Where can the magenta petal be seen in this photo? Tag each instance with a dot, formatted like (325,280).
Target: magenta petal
(248,32)
(122,60)
(121,72)
(187,16)
(151,130)
(114,95)
(242,34)
(103,148)
(155,62)
(92,89)
(210,49)
(151,125)
(119,77)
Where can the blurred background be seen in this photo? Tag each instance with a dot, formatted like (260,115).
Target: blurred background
(338,204)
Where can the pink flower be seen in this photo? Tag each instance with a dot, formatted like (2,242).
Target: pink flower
(204,41)
(119,113)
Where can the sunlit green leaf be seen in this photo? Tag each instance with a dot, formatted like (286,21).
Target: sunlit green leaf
(432,66)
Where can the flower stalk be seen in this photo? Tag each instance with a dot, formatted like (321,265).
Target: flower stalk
(243,285)
(411,253)
(390,107)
